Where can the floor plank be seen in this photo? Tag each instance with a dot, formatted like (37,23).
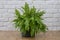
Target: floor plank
(15,35)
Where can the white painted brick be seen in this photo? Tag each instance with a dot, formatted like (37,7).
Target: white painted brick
(7,15)
(51,2)
(7,29)
(46,0)
(52,28)
(9,24)
(48,15)
(50,19)
(11,11)
(12,2)
(39,2)
(52,16)
(52,10)
(1,6)
(52,22)
(9,6)
(56,23)
(3,11)
(48,24)
(8,2)
(57,28)
(3,19)
(11,19)
(45,6)
(57,6)
(1,24)
(57,15)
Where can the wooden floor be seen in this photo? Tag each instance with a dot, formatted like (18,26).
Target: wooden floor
(14,35)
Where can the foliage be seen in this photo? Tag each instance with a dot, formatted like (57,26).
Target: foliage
(31,20)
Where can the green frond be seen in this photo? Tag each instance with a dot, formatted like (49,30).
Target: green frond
(31,20)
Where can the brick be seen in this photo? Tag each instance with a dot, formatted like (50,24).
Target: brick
(57,15)
(51,18)
(48,15)
(52,28)
(12,2)
(3,19)
(1,6)
(3,11)
(7,28)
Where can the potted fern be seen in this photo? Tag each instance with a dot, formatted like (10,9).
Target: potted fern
(30,22)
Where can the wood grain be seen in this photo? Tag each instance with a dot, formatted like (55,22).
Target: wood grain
(15,35)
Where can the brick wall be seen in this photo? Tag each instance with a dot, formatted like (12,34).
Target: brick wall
(52,16)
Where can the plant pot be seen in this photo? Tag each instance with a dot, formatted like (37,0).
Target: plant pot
(27,34)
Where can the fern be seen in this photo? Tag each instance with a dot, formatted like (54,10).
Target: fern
(31,20)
